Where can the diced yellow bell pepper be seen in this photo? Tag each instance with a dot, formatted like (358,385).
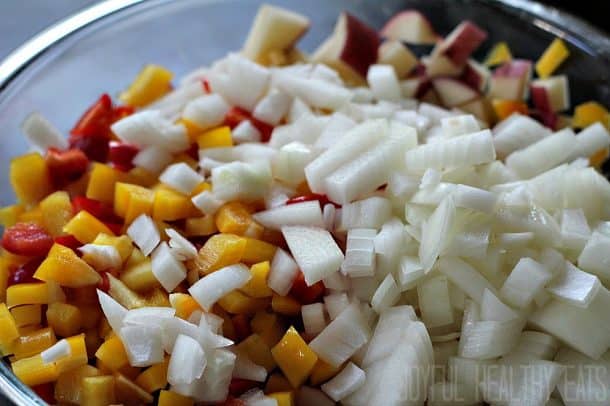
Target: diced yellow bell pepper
(122,196)
(283,398)
(27,293)
(87,295)
(123,244)
(104,330)
(128,393)
(78,354)
(55,293)
(34,215)
(228,329)
(598,158)
(135,258)
(257,251)
(257,285)
(589,113)
(140,277)
(98,391)
(169,398)
(27,315)
(200,226)
(200,188)
(268,327)
(151,83)
(141,201)
(219,251)
(215,138)
(68,387)
(8,327)
(28,329)
(56,212)
(29,177)
(233,218)
(186,159)
(112,353)
(10,214)
(277,382)
(322,372)
(154,377)
(65,319)
(85,227)
(91,315)
(285,305)
(34,343)
(192,129)
(553,56)
(4,274)
(33,371)
(184,304)
(504,108)
(141,177)
(238,303)
(170,205)
(124,295)
(499,54)
(102,181)
(66,268)
(294,357)
(258,351)
(92,341)
(157,297)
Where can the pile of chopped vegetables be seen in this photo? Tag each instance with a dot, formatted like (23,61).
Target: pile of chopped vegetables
(358,225)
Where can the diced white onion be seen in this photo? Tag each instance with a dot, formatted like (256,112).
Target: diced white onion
(346,382)
(143,344)
(56,352)
(181,177)
(314,319)
(41,134)
(187,362)
(212,287)
(303,214)
(282,273)
(168,270)
(101,257)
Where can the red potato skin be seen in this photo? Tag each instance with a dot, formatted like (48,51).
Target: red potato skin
(361,44)
(472,78)
(467,40)
(515,68)
(407,15)
(540,98)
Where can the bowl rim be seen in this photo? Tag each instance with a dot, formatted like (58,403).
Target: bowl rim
(545,17)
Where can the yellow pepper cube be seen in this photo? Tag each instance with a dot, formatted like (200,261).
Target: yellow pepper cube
(283,398)
(34,342)
(155,377)
(85,227)
(98,391)
(102,181)
(65,319)
(78,354)
(200,188)
(157,297)
(27,293)
(68,387)
(10,214)
(56,212)
(237,303)
(140,277)
(33,371)
(192,129)
(8,326)
(504,108)
(151,83)
(277,382)
(170,205)
(589,113)
(258,351)
(29,177)
(233,218)
(322,372)
(112,353)
(124,295)
(66,268)
(219,251)
(122,196)
(184,304)
(128,393)
(257,285)
(141,177)
(285,305)
(215,138)
(294,357)
(597,159)
(200,226)
(33,215)
(141,201)
(553,56)
(268,327)
(499,54)
(27,314)
(123,244)
(169,398)
(257,251)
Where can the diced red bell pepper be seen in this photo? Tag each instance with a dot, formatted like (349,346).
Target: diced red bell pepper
(46,391)
(306,294)
(193,151)
(116,228)
(25,272)
(231,401)
(206,85)
(121,155)
(238,386)
(104,284)
(66,166)
(97,119)
(242,326)
(27,239)
(322,199)
(122,112)
(95,147)
(237,115)
(68,241)
(99,210)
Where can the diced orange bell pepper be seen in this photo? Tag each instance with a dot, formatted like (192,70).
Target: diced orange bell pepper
(124,295)
(257,251)
(504,108)
(238,303)
(268,327)
(294,357)
(170,205)
(27,314)
(258,351)
(141,201)
(154,377)
(10,214)
(283,398)
(285,305)
(322,372)
(85,227)
(29,176)
(277,382)
(141,177)
(65,319)
(233,218)
(589,113)
(499,54)
(598,158)
(200,226)
(169,398)
(151,83)
(34,342)
(56,212)
(122,196)
(140,277)
(157,297)
(102,182)
(33,371)
(128,393)
(98,391)
(553,56)
(192,129)
(200,188)
(257,285)
(219,251)
(66,268)
(68,387)
(184,304)
(78,354)
(8,327)
(123,244)
(112,353)
(27,293)
(215,138)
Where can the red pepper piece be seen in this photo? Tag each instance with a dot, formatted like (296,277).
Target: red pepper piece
(96,120)
(68,241)
(104,284)
(99,210)
(242,326)
(66,166)
(27,239)
(95,147)
(306,294)
(322,199)
(238,386)
(121,155)
(237,115)
(193,151)
(25,272)
(46,391)
(122,112)
(206,86)
(116,228)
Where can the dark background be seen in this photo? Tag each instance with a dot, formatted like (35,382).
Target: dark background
(594,11)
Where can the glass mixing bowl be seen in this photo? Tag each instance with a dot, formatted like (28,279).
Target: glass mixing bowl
(65,68)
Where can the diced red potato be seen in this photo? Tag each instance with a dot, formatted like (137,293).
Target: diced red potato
(395,53)
(453,92)
(410,26)
(461,42)
(510,81)
(551,94)
(441,65)
(476,75)
(480,108)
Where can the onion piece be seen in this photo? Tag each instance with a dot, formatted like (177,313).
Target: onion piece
(152,158)
(335,303)
(525,281)
(241,181)
(113,311)
(390,329)
(245,132)
(574,286)
(389,246)
(360,253)
(181,177)
(314,319)
(148,128)
(144,233)
(207,111)
(372,212)
(181,248)
(41,134)
(283,272)
(212,287)
(101,257)
(386,295)
(410,273)
(187,361)
(273,107)
(207,202)
(573,387)
(56,352)
(434,302)
(246,369)
(434,233)
(302,214)
(346,382)
(168,270)
(459,125)
(465,277)
(149,316)
(143,344)
(290,162)
(595,255)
